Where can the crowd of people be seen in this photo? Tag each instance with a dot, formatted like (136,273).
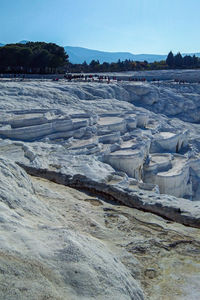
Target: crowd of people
(101,78)
(92,78)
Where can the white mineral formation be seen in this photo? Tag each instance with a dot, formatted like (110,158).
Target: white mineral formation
(128,143)
(42,256)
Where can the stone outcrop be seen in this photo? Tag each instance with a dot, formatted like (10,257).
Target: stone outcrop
(43,257)
(60,243)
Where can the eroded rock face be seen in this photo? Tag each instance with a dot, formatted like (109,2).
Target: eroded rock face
(42,256)
(148,246)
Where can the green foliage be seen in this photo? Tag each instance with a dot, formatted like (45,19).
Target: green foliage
(180,62)
(32,57)
(170,59)
(120,66)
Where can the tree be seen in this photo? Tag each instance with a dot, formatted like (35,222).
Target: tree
(178,60)
(187,61)
(36,56)
(195,60)
(170,59)
(94,65)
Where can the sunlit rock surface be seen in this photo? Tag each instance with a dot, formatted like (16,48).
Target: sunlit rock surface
(61,243)
(44,255)
(120,143)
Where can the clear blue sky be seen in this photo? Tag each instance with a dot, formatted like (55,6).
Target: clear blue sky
(137,26)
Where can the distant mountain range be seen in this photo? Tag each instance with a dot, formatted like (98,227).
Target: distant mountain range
(78,55)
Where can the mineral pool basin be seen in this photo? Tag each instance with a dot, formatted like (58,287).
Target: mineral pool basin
(159,163)
(106,121)
(166,135)
(28,119)
(125,153)
(129,161)
(169,140)
(160,159)
(27,116)
(23,117)
(79,144)
(128,144)
(112,124)
(178,165)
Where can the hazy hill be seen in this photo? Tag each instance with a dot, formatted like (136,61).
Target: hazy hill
(79,55)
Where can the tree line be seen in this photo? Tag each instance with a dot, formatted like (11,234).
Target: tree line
(32,57)
(184,62)
(47,58)
(120,66)
(172,61)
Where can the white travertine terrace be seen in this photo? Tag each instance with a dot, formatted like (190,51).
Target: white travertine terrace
(28,127)
(169,141)
(129,146)
(129,157)
(129,161)
(170,173)
(111,124)
(92,184)
(86,121)
(131,121)
(142,120)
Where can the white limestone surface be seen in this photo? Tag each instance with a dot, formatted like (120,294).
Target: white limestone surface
(170,173)
(99,138)
(65,116)
(169,141)
(42,256)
